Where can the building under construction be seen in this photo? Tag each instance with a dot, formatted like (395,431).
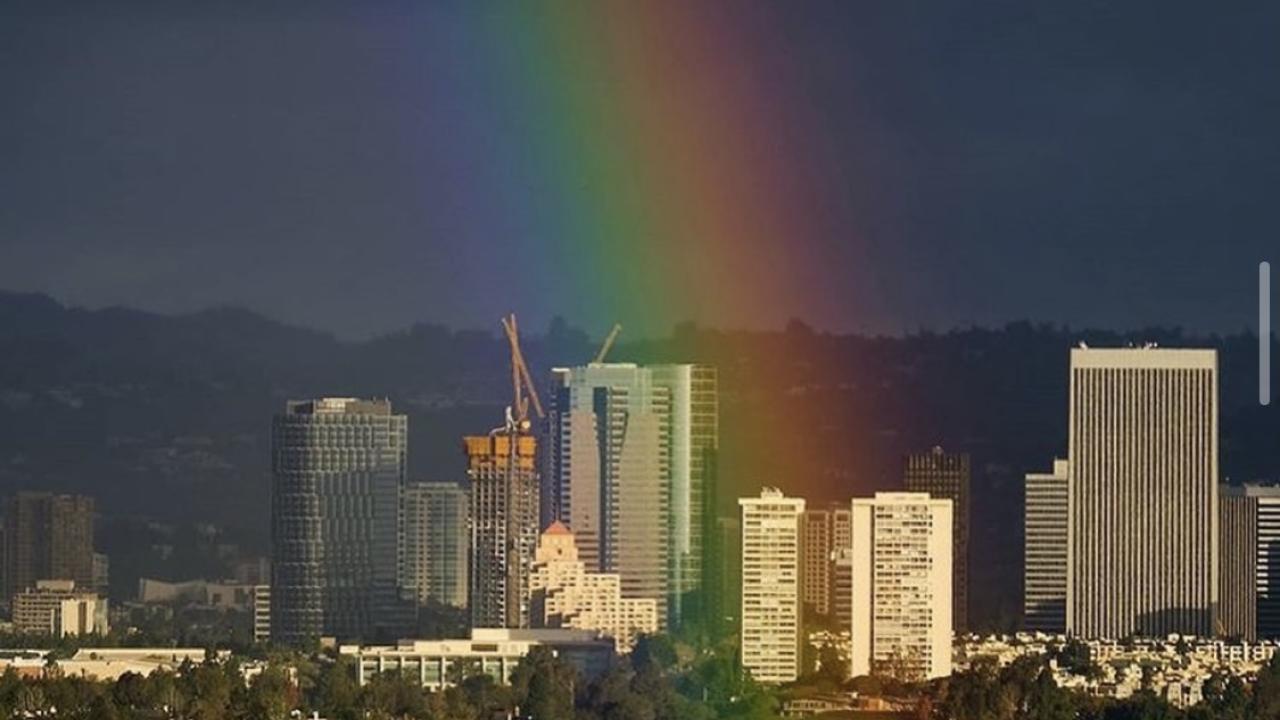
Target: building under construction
(503,470)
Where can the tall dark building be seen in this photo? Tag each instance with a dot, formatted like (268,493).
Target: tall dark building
(946,476)
(338,473)
(47,537)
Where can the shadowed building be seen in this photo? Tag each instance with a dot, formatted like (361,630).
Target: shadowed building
(1143,478)
(816,572)
(338,471)
(1249,550)
(1044,566)
(436,542)
(945,476)
(47,537)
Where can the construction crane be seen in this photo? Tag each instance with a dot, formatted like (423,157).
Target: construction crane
(608,343)
(521,382)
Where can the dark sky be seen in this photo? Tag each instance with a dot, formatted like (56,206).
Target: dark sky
(1102,163)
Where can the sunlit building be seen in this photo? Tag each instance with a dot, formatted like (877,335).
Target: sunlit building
(566,595)
(901,581)
(771,607)
(945,475)
(1143,471)
(631,471)
(502,467)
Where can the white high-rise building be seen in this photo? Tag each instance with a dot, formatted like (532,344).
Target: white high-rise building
(1143,478)
(567,595)
(901,578)
(771,526)
(1044,567)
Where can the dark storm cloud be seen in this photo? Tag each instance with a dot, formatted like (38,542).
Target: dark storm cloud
(1101,163)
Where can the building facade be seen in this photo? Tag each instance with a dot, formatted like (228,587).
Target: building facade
(57,608)
(437,519)
(631,471)
(1044,566)
(1268,564)
(815,575)
(771,607)
(338,468)
(945,476)
(47,537)
(901,580)
(495,652)
(1248,547)
(1143,467)
(566,595)
(502,467)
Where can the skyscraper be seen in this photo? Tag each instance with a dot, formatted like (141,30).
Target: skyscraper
(1044,567)
(1249,560)
(695,442)
(47,537)
(816,571)
(338,471)
(631,463)
(946,476)
(771,613)
(901,579)
(566,594)
(503,470)
(436,542)
(1143,467)
(1268,565)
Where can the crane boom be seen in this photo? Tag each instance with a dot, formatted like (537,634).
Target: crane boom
(608,343)
(521,381)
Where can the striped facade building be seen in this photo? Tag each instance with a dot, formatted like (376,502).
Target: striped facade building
(1249,545)
(1044,606)
(1143,478)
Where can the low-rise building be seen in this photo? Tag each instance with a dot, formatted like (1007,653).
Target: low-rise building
(495,652)
(56,607)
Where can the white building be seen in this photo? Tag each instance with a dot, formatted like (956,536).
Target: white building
(495,652)
(771,526)
(566,595)
(261,613)
(1143,466)
(1044,566)
(901,581)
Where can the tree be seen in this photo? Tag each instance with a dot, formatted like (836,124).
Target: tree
(543,685)
(336,691)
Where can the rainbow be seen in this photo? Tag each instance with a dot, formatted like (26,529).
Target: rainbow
(669,175)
